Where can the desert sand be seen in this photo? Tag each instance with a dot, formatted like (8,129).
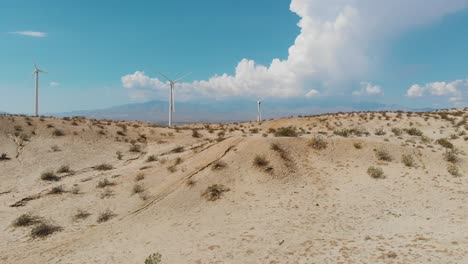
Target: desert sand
(338,188)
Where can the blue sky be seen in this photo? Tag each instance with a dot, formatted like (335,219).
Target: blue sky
(105,53)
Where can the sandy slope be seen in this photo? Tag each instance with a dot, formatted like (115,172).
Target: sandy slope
(311,206)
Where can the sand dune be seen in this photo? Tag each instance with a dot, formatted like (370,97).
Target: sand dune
(293,190)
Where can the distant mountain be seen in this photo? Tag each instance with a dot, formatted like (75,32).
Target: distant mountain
(221,111)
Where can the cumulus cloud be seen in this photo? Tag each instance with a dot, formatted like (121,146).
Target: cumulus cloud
(334,47)
(455,90)
(368,89)
(313,93)
(35,34)
(415,91)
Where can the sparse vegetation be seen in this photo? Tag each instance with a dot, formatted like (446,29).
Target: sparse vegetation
(375,172)
(318,143)
(58,133)
(408,160)
(119,155)
(383,154)
(190,183)
(107,193)
(26,220)
(105,216)
(260,161)
(44,229)
(103,167)
(135,148)
(137,188)
(397,131)
(49,176)
(451,156)
(380,132)
(151,158)
(104,183)
(57,190)
(444,143)
(4,156)
(81,215)
(214,192)
(414,132)
(357,145)
(286,132)
(64,169)
(195,133)
(453,170)
(154,258)
(178,149)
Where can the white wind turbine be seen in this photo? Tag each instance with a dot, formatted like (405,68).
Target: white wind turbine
(259,109)
(171,94)
(36,72)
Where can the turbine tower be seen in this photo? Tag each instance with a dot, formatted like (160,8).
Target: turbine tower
(36,72)
(259,108)
(171,94)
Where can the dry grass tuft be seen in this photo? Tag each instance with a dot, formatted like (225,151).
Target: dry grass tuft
(375,172)
(104,183)
(81,215)
(26,220)
(214,192)
(49,176)
(104,167)
(44,229)
(105,216)
(408,160)
(383,154)
(318,143)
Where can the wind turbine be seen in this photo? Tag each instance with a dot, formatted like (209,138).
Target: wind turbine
(36,72)
(259,108)
(171,94)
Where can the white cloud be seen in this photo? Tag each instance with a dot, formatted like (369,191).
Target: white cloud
(368,89)
(415,91)
(454,90)
(313,93)
(35,34)
(54,84)
(335,46)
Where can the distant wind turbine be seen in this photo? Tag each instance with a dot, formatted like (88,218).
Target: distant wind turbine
(259,108)
(36,72)
(171,94)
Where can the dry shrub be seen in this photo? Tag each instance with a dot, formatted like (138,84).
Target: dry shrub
(104,183)
(64,169)
(260,161)
(49,176)
(81,215)
(178,149)
(44,229)
(453,170)
(375,172)
(318,143)
(58,133)
(451,156)
(357,145)
(408,160)
(286,132)
(57,190)
(444,143)
(26,220)
(105,216)
(104,167)
(214,192)
(140,176)
(151,158)
(383,154)
(138,188)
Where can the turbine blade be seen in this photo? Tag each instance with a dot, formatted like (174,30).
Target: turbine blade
(35,67)
(165,77)
(180,78)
